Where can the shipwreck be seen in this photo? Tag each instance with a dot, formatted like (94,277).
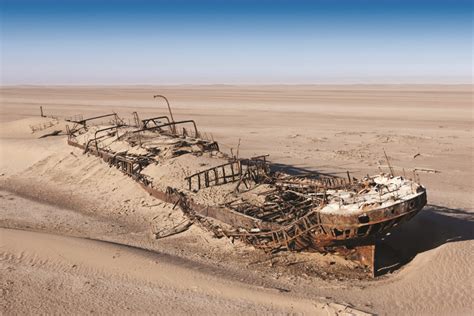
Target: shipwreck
(244,198)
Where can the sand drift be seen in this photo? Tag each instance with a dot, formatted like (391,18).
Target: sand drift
(243,198)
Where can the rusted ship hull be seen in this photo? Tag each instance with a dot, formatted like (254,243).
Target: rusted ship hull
(296,212)
(319,231)
(350,236)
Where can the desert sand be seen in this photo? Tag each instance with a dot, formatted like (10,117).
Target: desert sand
(79,237)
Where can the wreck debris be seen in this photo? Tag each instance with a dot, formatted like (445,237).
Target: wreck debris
(181,227)
(270,210)
(427,170)
(240,170)
(42,126)
(53,133)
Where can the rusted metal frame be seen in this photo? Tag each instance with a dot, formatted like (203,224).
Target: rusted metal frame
(286,213)
(153,119)
(323,180)
(71,131)
(287,208)
(283,229)
(106,129)
(169,124)
(87,149)
(83,121)
(292,232)
(125,164)
(136,119)
(241,179)
(233,172)
(315,188)
(290,212)
(259,158)
(258,161)
(96,138)
(173,127)
(225,176)
(216,175)
(214,146)
(255,168)
(129,165)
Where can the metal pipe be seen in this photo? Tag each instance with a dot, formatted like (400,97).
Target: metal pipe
(173,126)
(103,130)
(152,119)
(83,122)
(167,102)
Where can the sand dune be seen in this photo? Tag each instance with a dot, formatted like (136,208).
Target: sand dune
(70,273)
(94,246)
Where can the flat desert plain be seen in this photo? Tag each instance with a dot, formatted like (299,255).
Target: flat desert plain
(78,237)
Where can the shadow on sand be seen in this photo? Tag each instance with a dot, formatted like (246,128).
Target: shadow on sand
(432,227)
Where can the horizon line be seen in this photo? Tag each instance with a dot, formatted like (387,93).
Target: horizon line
(234,84)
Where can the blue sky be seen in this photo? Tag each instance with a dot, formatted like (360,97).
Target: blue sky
(243,42)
